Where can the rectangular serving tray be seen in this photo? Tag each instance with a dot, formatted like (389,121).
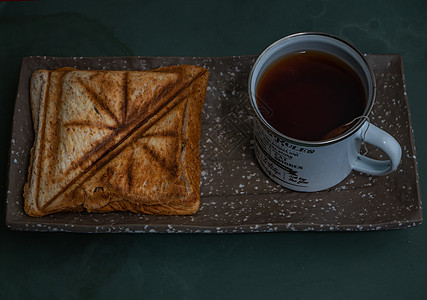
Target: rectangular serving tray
(236,196)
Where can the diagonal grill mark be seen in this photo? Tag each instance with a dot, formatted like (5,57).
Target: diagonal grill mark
(162,134)
(94,97)
(99,160)
(172,170)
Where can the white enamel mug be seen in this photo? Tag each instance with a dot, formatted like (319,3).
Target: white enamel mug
(310,166)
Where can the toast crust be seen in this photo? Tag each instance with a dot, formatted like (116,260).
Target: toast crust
(116,141)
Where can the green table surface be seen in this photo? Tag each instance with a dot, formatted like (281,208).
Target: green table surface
(281,265)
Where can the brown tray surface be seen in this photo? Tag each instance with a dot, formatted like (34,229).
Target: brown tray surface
(235,195)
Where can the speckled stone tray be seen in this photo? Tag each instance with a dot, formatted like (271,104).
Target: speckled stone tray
(235,195)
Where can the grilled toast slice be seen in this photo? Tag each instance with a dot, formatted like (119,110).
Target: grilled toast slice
(116,141)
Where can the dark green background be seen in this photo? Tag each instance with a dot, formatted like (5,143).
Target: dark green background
(288,265)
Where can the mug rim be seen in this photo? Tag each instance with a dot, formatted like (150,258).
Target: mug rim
(363,118)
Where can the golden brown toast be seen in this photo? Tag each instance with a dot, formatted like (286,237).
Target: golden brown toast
(116,141)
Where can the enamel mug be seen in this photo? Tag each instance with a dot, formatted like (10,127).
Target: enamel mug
(309,166)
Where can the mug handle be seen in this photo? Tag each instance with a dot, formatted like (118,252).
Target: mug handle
(381,139)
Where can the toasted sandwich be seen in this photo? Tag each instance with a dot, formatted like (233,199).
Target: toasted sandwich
(116,141)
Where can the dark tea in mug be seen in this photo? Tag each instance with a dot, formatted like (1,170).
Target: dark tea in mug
(310,95)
